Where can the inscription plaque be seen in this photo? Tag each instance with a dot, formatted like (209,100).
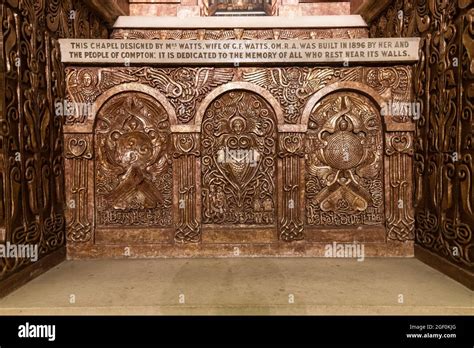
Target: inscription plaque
(238,51)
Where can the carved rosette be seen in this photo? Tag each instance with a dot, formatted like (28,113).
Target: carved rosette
(186,173)
(399,203)
(291,165)
(238,160)
(344,162)
(78,153)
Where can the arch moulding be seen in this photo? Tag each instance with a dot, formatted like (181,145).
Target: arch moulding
(337,87)
(270,99)
(88,126)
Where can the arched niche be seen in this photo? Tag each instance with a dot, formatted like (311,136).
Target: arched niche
(88,126)
(247,86)
(344,158)
(238,160)
(339,87)
(133,170)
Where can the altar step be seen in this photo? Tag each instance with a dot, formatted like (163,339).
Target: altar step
(239,13)
(241,286)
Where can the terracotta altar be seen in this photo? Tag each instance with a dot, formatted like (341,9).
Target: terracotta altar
(238,160)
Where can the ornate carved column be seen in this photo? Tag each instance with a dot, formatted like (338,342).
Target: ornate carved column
(291,186)
(79,153)
(399,187)
(187,179)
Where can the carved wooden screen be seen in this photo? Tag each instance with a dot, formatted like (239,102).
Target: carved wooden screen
(344,162)
(238,160)
(133,169)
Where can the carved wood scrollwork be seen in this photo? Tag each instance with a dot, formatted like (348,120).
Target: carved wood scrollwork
(240,34)
(443,140)
(238,160)
(344,162)
(32,139)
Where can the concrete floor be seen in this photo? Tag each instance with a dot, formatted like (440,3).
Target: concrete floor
(241,286)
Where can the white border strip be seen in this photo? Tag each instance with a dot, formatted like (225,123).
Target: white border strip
(156,22)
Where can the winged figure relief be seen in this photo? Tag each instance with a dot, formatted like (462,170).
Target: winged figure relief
(185,87)
(291,86)
(84,85)
(391,83)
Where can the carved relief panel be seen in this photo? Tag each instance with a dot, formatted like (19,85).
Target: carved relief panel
(238,160)
(133,164)
(264,153)
(344,162)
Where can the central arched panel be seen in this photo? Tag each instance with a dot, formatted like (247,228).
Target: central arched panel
(238,165)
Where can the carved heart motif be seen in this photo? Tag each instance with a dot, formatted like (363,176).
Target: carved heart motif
(78,148)
(239,168)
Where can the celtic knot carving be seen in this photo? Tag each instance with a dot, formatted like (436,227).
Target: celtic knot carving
(78,153)
(291,150)
(32,156)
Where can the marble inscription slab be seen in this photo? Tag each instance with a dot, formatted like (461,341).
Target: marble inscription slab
(235,52)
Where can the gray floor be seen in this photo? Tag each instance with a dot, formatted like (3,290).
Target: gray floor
(241,286)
